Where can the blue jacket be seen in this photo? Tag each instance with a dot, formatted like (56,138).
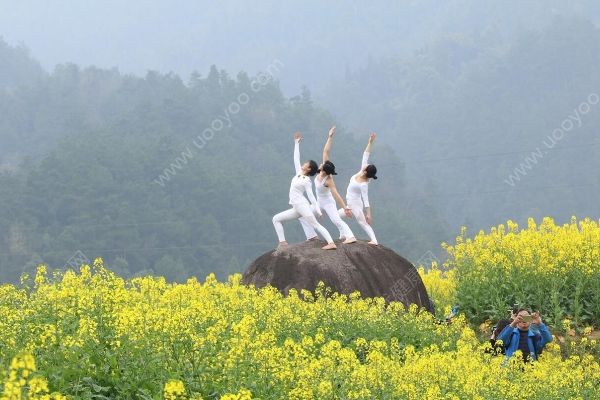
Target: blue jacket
(536,341)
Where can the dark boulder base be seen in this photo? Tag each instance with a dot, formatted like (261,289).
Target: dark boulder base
(374,271)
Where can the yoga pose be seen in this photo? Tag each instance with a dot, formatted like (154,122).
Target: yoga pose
(327,195)
(301,183)
(357,194)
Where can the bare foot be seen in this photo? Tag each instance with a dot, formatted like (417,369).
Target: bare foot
(350,240)
(282,244)
(372,243)
(329,246)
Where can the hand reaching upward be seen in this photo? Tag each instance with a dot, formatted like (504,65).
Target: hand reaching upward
(372,137)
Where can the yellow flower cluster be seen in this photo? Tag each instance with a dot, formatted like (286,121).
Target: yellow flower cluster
(174,389)
(440,285)
(21,381)
(95,334)
(241,395)
(551,268)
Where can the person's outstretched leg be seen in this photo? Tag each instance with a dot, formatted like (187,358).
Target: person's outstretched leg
(362,221)
(283,216)
(309,231)
(306,212)
(342,215)
(321,229)
(343,227)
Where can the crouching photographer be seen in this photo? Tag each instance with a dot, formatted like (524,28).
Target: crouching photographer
(527,333)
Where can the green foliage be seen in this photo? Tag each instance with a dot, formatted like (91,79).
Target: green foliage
(550,268)
(116,166)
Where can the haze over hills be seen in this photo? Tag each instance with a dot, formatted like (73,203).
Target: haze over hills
(503,130)
(316,40)
(154,174)
(465,96)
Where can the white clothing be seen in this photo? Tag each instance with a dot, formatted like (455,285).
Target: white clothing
(297,211)
(357,198)
(300,182)
(324,195)
(358,192)
(300,207)
(358,213)
(332,212)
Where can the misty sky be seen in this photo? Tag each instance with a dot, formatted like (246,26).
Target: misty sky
(187,35)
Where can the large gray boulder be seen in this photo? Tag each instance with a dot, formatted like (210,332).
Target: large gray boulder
(374,271)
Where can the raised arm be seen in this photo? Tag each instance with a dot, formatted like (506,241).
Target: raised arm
(297,139)
(372,137)
(544,332)
(328,144)
(367,153)
(365,160)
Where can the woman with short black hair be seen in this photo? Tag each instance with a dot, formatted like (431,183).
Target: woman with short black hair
(357,194)
(327,195)
(301,184)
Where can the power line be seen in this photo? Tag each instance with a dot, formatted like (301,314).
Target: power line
(184,221)
(542,188)
(492,155)
(435,160)
(401,163)
(281,173)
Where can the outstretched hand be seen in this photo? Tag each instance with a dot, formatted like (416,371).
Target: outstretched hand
(332,131)
(298,136)
(372,137)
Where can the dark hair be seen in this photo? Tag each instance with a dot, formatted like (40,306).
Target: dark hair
(523,309)
(371,171)
(503,323)
(329,168)
(314,168)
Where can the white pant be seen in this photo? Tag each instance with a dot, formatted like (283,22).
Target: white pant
(357,211)
(331,211)
(303,211)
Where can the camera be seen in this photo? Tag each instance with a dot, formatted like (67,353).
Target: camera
(527,318)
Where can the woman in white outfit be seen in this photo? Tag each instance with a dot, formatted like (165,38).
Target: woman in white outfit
(357,194)
(301,184)
(327,195)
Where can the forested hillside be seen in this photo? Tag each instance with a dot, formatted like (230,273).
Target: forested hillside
(97,163)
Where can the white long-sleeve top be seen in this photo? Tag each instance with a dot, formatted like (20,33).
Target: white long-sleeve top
(300,183)
(324,195)
(358,192)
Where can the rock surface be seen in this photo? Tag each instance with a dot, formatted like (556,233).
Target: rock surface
(374,271)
